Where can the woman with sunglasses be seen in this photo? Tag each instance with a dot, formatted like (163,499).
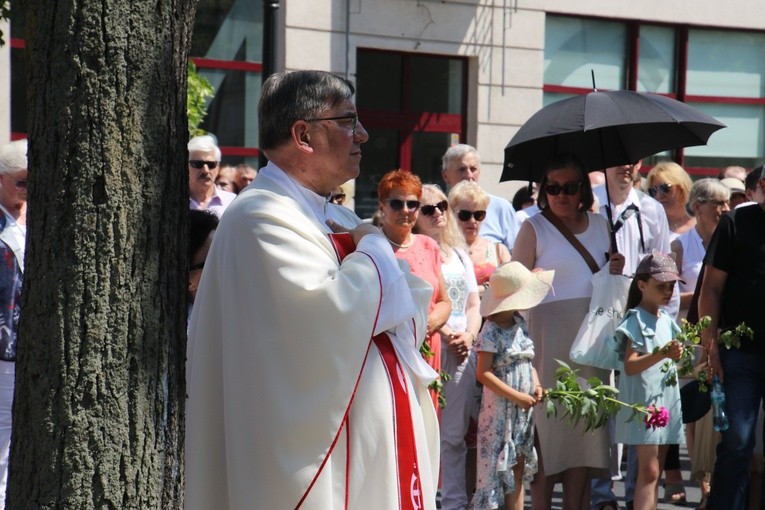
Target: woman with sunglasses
(457,337)
(567,454)
(468,202)
(399,195)
(670,184)
(708,201)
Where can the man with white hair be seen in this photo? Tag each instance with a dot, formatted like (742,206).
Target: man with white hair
(462,162)
(13,231)
(204,163)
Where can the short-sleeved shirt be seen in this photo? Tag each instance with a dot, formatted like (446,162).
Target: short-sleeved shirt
(500,224)
(738,248)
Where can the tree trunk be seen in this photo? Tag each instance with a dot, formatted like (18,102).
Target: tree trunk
(99,405)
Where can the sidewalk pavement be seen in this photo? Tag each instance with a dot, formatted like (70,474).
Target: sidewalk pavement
(692,491)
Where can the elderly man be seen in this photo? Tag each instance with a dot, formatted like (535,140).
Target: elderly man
(13,231)
(204,163)
(306,386)
(463,163)
(733,291)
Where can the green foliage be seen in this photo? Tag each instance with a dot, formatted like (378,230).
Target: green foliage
(595,404)
(199,89)
(438,385)
(5,15)
(690,338)
(731,338)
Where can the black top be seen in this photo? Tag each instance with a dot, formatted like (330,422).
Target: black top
(738,248)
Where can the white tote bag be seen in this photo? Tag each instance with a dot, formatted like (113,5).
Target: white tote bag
(594,345)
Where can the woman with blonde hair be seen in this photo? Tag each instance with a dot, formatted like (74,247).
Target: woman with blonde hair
(670,184)
(457,337)
(468,202)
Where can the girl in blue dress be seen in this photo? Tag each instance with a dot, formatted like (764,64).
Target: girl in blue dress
(506,454)
(645,374)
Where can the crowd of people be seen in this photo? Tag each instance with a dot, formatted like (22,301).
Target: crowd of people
(336,363)
(472,350)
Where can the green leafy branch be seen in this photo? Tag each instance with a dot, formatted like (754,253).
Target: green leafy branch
(690,338)
(594,405)
(199,89)
(436,386)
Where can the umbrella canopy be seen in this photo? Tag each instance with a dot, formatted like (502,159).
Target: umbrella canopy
(604,129)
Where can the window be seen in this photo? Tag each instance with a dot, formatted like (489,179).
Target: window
(413,107)
(720,72)
(226,47)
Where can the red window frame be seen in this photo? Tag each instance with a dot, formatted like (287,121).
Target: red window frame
(407,121)
(681,48)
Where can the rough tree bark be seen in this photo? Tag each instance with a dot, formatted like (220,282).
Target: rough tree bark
(98,412)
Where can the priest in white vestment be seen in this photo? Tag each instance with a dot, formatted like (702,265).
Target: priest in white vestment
(305,384)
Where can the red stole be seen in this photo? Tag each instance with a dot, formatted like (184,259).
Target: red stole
(409,484)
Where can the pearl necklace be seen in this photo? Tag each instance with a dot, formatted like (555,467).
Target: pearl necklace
(402,245)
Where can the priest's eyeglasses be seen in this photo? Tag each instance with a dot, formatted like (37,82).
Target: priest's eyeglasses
(353,121)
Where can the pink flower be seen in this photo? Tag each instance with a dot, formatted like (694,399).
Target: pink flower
(657,417)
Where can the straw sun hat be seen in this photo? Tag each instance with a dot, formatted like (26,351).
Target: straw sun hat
(513,287)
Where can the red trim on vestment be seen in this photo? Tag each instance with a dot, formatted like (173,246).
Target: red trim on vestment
(341,246)
(347,461)
(409,481)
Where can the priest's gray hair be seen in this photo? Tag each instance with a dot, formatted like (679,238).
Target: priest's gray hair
(13,157)
(287,97)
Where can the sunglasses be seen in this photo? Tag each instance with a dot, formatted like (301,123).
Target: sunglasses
(353,119)
(466,215)
(338,198)
(663,188)
(716,203)
(567,189)
(398,205)
(22,184)
(195,267)
(198,164)
(429,210)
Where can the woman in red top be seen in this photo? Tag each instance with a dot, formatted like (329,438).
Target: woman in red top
(399,193)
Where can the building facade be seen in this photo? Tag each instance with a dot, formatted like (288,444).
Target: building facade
(430,73)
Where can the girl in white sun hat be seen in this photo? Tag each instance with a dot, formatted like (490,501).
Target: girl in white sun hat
(506,454)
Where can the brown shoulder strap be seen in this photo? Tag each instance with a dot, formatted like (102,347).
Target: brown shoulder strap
(571,238)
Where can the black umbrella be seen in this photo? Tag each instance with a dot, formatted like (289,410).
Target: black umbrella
(604,129)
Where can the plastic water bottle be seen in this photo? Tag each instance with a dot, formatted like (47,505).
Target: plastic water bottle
(718,406)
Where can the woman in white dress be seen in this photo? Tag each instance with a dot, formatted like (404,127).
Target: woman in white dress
(457,337)
(567,454)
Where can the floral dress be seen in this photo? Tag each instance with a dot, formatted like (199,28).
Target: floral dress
(505,431)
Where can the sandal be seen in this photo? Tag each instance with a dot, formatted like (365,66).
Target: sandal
(674,493)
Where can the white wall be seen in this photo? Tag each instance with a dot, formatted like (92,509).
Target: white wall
(503,39)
